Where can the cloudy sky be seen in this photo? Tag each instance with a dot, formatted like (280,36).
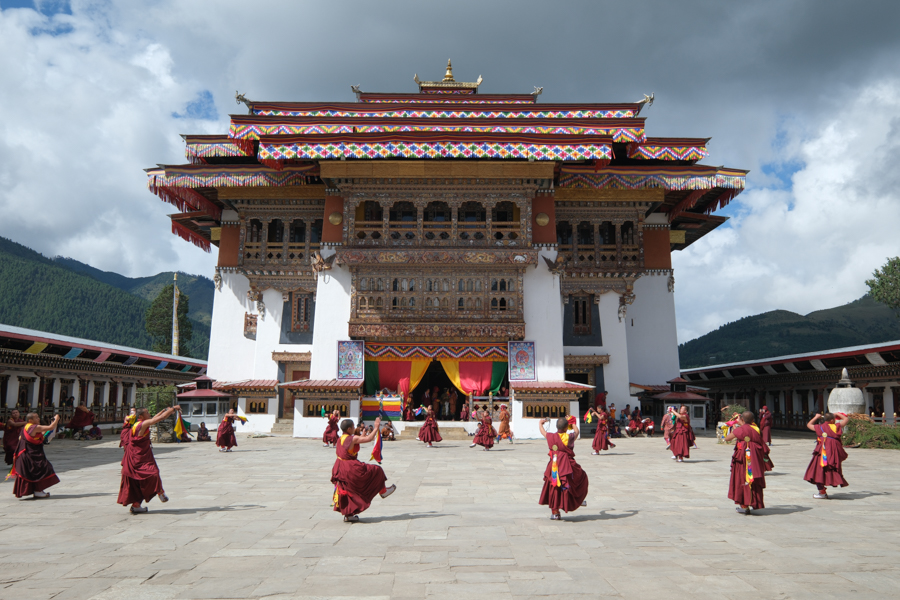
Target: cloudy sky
(805,94)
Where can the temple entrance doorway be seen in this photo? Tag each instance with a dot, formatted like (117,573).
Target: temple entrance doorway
(435,377)
(586,399)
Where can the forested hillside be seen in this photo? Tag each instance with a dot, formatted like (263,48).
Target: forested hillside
(200,289)
(37,293)
(780,332)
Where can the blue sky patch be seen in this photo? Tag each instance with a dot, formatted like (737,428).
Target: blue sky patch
(203,107)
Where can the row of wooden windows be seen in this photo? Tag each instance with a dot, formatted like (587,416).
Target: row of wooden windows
(400,284)
(378,303)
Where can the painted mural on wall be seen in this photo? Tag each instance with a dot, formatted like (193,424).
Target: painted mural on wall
(351,355)
(521,361)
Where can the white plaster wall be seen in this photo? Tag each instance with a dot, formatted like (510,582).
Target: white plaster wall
(543,313)
(268,334)
(523,428)
(651,332)
(231,355)
(615,344)
(314,427)
(256,422)
(332,319)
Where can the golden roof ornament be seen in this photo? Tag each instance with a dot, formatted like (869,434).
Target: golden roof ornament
(448,82)
(448,76)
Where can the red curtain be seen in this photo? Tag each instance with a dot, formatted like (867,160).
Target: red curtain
(475,377)
(394,375)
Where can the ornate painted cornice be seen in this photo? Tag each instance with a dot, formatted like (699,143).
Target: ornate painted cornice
(425,332)
(589,360)
(450,256)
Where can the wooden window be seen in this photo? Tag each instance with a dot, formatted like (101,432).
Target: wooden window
(249,326)
(581,315)
(301,312)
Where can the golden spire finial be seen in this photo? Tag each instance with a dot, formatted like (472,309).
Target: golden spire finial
(448,76)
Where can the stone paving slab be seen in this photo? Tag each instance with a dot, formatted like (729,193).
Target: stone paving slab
(256,523)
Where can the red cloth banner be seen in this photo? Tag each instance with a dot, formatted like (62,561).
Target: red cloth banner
(394,375)
(475,377)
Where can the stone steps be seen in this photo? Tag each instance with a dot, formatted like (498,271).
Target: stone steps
(411,431)
(283,426)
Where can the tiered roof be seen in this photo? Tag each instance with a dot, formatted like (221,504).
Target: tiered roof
(597,146)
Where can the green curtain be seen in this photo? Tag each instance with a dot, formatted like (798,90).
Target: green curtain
(372,379)
(498,374)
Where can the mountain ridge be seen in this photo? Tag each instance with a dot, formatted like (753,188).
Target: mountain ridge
(66,297)
(781,332)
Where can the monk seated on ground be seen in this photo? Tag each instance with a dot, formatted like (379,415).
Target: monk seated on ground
(203,434)
(387,432)
(360,429)
(614,431)
(94,433)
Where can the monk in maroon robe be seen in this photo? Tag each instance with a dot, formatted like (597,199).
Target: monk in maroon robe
(749,465)
(355,482)
(668,425)
(82,417)
(601,436)
(225,437)
(125,434)
(32,470)
(681,437)
(330,437)
(825,467)
(504,432)
(765,424)
(11,430)
(486,433)
(429,432)
(565,483)
(140,474)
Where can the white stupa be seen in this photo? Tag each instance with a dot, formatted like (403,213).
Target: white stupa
(846,398)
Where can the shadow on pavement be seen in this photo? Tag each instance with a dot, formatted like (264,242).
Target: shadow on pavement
(76,496)
(404,517)
(191,511)
(783,510)
(601,516)
(855,495)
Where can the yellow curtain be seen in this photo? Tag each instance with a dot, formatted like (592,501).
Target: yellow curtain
(451,368)
(417,372)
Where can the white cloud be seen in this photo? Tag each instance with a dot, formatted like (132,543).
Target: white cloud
(90,98)
(812,246)
(85,110)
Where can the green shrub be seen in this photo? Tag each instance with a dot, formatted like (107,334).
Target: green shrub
(871,435)
(729,410)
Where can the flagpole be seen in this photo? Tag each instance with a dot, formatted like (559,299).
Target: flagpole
(175,316)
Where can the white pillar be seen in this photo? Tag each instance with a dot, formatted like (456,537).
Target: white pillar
(12,391)
(889,403)
(54,394)
(91,386)
(132,394)
(811,401)
(104,394)
(34,392)
(120,394)
(75,392)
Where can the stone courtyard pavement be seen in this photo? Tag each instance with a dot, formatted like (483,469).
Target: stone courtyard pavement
(464,523)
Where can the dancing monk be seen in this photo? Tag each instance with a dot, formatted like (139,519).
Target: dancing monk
(11,431)
(330,437)
(765,424)
(565,483)
(32,470)
(601,437)
(429,431)
(825,467)
(504,433)
(355,482)
(140,474)
(682,437)
(225,438)
(486,433)
(749,464)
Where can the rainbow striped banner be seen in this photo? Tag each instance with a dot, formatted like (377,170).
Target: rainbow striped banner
(390,409)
